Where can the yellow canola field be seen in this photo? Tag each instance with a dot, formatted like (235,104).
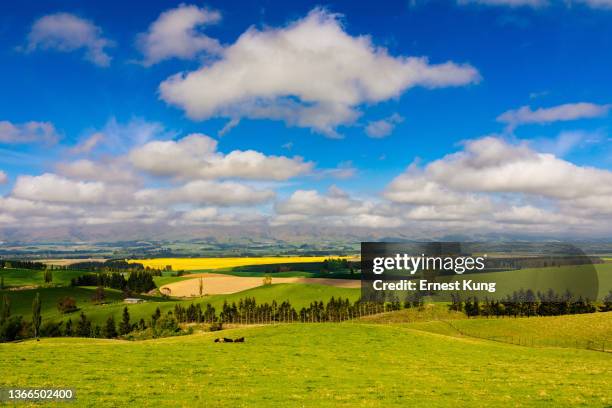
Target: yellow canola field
(194,264)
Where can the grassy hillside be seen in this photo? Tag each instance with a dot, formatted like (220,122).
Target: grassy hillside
(594,326)
(576,278)
(299,294)
(431,312)
(21,300)
(14,277)
(313,365)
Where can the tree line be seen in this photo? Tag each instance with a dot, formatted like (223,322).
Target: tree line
(526,303)
(137,282)
(248,311)
(7,263)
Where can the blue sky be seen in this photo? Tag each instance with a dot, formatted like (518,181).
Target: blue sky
(98,68)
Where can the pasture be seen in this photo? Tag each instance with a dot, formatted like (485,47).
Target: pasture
(16,277)
(312,365)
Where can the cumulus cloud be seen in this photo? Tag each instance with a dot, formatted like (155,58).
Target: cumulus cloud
(89,170)
(65,32)
(54,188)
(311,202)
(336,208)
(384,127)
(196,157)
(269,74)
(176,34)
(495,182)
(28,132)
(206,192)
(215,216)
(493,165)
(3,177)
(570,111)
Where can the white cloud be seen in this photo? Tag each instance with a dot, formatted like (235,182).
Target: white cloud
(384,127)
(175,34)
(415,187)
(108,171)
(53,188)
(310,202)
(493,183)
(66,32)
(336,208)
(196,157)
(570,111)
(3,177)
(493,165)
(528,214)
(214,216)
(507,3)
(206,192)
(269,74)
(88,144)
(29,132)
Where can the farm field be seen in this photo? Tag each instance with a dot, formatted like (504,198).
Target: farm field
(214,284)
(194,264)
(321,365)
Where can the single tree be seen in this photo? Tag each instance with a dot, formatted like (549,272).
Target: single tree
(99,295)
(110,330)
(67,305)
(5,309)
(68,329)
(83,327)
(36,317)
(48,276)
(201,285)
(125,327)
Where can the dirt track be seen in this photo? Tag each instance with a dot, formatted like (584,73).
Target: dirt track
(216,284)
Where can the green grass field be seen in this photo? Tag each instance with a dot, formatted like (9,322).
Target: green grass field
(595,327)
(312,365)
(578,279)
(14,277)
(431,357)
